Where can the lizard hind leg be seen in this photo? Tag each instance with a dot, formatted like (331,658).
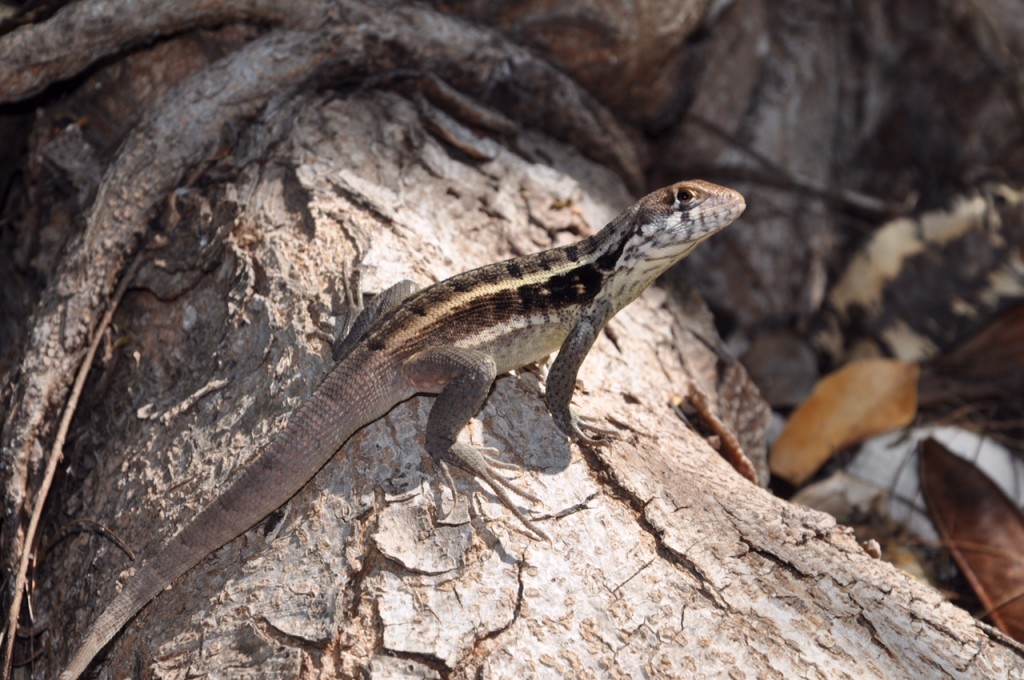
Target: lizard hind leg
(462,378)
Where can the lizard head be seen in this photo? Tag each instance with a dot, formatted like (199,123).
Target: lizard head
(672,221)
(661,229)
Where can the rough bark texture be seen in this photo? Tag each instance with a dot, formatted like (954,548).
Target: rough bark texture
(278,164)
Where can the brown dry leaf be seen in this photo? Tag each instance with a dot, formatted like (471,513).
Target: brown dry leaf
(982,529)
(980,383)
(858,401)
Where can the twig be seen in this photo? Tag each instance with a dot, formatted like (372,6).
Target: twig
(56,454)
(83,525)
(730,446)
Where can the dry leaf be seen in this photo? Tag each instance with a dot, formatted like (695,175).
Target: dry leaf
(982,529)
(858,401)
(980,383)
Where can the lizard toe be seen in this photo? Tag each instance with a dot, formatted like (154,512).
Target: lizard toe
(478,460)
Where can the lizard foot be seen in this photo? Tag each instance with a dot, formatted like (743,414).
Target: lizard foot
(583,430)
(482,462)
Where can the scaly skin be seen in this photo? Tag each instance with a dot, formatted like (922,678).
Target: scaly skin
(450,339)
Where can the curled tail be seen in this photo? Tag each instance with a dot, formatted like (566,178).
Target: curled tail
(343,403)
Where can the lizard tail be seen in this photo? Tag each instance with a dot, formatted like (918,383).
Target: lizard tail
(346,400)
(142,588)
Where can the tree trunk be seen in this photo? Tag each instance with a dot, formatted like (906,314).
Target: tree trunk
(262,177)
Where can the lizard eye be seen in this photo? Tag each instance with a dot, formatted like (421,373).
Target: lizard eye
(684,196)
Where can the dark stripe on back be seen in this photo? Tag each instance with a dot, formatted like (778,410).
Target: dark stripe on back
(514,269)
(489,274)
(578,286)
(461,284)
(606,262)
(533,298)
(547,259)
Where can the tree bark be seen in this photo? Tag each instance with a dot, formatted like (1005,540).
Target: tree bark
(262,186)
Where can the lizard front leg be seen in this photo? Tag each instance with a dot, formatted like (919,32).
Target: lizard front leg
(462,378)
(561,380)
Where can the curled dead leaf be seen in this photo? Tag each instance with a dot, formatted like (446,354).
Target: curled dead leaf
(860,400)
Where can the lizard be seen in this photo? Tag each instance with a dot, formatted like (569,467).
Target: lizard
(450,339)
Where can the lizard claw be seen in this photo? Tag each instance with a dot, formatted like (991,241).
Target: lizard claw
(482,462)
(582,430)
(605,433)
(491,454)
